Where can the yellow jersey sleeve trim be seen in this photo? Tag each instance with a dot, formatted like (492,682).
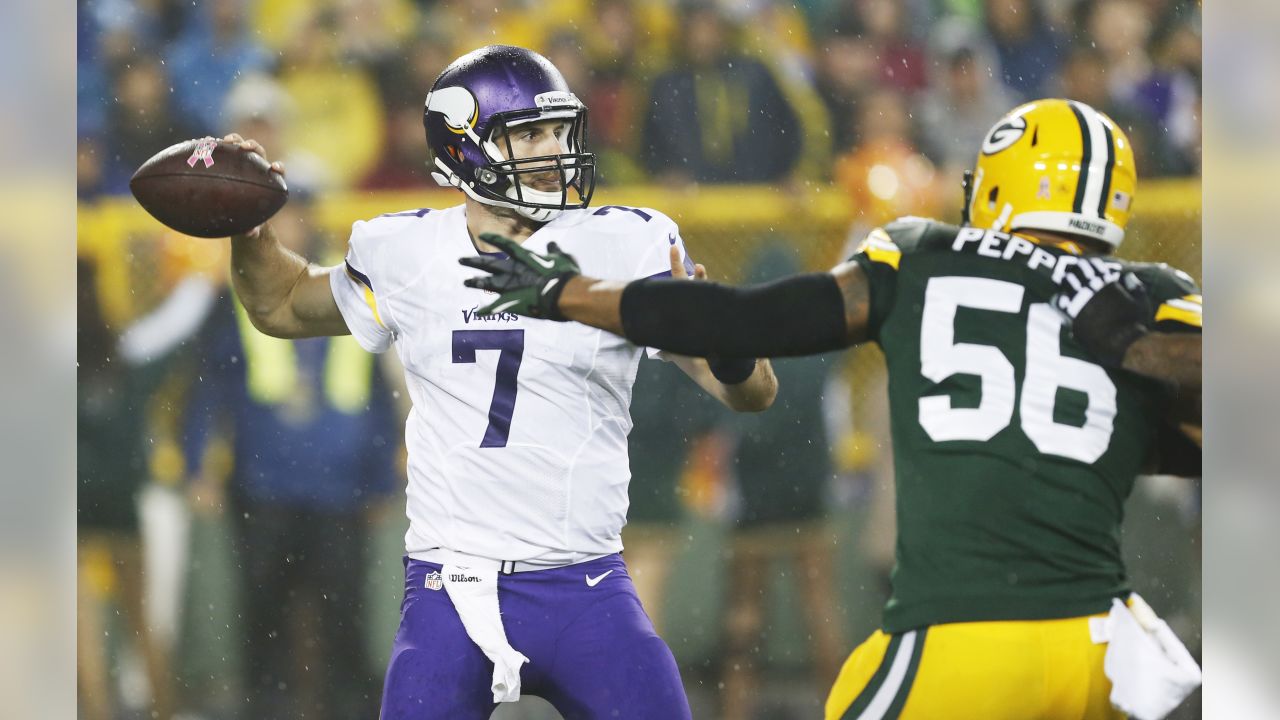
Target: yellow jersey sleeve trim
(1188,310)
(373,305)
(879,247)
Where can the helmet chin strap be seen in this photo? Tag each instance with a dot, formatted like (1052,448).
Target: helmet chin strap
(538,214)
(538,196)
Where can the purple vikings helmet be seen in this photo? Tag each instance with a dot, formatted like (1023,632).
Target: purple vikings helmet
(486,91)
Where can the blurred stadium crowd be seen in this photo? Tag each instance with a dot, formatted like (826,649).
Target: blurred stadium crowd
(760,545)
(679,90)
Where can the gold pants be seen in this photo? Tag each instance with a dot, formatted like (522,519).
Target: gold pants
(1007,670)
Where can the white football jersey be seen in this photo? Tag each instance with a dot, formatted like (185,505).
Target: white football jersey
(517,439)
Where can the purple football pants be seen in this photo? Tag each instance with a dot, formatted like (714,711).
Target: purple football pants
(592,650)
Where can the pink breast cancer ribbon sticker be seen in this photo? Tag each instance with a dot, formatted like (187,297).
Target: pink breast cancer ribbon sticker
(204,151)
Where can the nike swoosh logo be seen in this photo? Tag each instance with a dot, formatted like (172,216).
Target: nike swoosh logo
(593,581)
(548,264)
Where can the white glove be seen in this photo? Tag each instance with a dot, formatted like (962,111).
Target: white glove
(1150,670)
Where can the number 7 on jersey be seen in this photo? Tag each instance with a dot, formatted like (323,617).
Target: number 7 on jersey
(503,405)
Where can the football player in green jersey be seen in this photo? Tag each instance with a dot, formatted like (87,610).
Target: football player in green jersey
(1029,373)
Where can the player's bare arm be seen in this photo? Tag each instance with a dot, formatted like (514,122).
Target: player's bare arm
(723,382)
(284,295)
(1173,358)
(593,302)
(800,315)
(854,290)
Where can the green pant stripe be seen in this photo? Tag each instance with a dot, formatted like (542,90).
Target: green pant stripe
(864,698)
(905,691)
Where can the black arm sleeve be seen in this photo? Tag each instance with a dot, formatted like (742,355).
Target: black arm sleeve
(799,315)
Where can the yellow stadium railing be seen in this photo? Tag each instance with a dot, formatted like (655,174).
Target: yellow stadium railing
(720,224)
(139,259)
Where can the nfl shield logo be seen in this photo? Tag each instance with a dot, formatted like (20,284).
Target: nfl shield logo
(434,581)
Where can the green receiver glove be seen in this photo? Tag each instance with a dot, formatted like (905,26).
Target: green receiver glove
(526,282)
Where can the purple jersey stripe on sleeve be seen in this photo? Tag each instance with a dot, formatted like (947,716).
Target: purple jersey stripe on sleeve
(364,279)
(408,213)
(636,211)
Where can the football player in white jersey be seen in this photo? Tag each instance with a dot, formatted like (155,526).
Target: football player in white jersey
(517,440)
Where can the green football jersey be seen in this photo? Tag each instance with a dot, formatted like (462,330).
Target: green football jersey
(1014,452)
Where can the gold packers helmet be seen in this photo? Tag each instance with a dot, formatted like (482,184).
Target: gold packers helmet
(1054,165)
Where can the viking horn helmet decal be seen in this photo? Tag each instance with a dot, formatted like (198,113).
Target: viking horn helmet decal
(457,105)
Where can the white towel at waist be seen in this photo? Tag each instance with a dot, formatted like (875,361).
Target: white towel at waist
(472,584)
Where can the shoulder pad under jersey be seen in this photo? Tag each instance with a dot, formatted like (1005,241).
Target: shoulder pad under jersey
(916,233)
(1162,279)
(905,235)
(1174,294)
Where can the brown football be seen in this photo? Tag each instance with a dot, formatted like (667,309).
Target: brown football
(209,188)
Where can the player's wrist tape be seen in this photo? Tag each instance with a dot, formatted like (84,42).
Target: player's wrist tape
(731,371)
(799,315)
